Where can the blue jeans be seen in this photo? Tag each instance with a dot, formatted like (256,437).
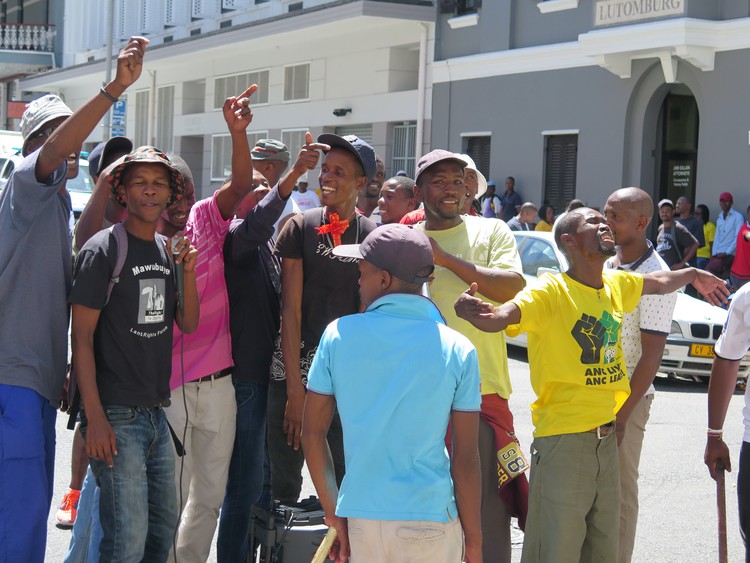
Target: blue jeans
(249,472)
(138,498)
(87,530)
(27,462)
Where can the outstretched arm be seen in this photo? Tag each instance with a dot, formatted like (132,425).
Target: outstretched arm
(69,137)
(485,316)
(708,285)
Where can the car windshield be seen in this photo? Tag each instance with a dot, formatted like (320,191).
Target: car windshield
(81,183)
(537,253)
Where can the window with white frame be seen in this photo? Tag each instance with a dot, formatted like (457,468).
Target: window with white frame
(297,82)
(221,153)
(165,118)
(140,137)
(404,145)
(294,139)
(235,84)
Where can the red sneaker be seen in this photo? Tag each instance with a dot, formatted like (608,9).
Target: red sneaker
(68,510)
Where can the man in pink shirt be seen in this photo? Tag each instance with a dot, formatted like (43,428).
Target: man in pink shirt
(203,408)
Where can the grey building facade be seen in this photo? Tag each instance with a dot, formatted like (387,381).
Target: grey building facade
(576,98)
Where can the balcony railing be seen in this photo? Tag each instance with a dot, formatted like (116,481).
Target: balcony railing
(26,37)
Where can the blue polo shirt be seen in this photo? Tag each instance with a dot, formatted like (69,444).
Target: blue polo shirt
(396,372)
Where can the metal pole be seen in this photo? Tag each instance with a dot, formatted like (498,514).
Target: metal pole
(108,76)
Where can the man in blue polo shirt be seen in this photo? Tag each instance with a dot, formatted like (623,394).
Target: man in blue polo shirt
(404,498)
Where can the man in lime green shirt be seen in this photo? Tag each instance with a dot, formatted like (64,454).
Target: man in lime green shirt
(466,249)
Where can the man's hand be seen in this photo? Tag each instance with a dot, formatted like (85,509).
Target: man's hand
(237,112)
(471,308)
(295,406)
(716,452)
(188,254)
(130,62)
(713,289)
(101,443)
(308,156)
(340,551)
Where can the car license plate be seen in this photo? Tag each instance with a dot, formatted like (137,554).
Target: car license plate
(702,350)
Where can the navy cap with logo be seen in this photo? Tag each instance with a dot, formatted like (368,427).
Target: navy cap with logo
(361,150)
(400,249)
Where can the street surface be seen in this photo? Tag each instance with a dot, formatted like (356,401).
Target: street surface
(678,518)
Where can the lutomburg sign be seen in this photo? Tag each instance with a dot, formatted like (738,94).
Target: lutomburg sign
(609,12)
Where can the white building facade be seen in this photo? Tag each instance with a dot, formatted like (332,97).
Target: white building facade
(345,66)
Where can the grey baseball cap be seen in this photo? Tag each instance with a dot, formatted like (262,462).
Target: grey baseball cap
(402,250)
(433,157)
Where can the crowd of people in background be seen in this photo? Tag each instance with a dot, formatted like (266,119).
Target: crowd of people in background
(218,344)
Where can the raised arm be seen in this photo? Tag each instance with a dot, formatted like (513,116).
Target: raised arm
(94,213)
(485,316)
(238,116)
(69,137)
(188,314)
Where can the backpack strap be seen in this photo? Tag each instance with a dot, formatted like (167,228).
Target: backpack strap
(121,237)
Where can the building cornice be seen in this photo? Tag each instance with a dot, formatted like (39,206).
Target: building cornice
(244,34)
(671,41)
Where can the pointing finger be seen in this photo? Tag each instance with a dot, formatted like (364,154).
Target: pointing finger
(308,138)
(249,92)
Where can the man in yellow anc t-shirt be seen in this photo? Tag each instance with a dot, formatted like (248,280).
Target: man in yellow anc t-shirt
(578,374)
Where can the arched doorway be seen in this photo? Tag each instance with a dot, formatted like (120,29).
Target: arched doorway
(677,144)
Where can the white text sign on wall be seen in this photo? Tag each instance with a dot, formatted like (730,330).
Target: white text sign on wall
(608,12)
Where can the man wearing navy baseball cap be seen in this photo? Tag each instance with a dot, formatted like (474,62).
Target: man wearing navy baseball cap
(317,287)
(395,414)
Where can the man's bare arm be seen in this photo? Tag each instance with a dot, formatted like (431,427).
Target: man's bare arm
(712,288)
(485,316)
(465,470)
(291,340)
(495,284)
(69,137)
(720,389)
(100,439)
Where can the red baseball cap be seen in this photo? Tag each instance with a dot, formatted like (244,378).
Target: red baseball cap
(726,196)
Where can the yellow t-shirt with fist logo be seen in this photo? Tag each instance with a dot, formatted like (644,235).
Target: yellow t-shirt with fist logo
(575,352)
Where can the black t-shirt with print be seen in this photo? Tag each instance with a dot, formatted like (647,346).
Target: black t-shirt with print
(133,338)
(330,284)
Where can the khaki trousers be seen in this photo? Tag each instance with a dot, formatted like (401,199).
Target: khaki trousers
(209,441)
(574,499)
(403,541)
(629,453)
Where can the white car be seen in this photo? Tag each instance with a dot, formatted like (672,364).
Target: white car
(696,325)
(79,188)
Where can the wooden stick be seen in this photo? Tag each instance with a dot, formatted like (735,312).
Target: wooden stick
(325,547)
(721,503)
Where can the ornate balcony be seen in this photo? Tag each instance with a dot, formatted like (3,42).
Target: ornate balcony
(25,49)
